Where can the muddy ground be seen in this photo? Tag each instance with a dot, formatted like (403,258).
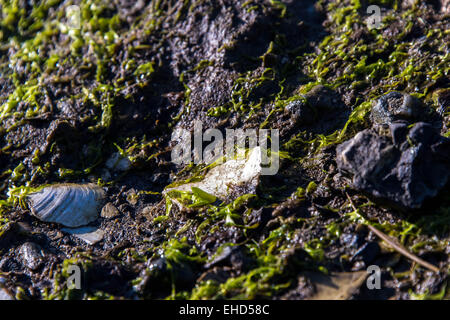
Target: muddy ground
(134,71)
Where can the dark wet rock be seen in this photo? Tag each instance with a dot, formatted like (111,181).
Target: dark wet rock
(350,240)
(31,255)
(404,166)
(304,289)
(161,179)
(295,204)
(300,112)
(161,274)
(367,253)
(260,218)
(23,229)
(219,275)
(398,106)
(13,232)
(430,284)
(323,98)
(307,110)
(108,276)
(64,139)
(8,264)
(231,256)
(295,259)
(321,110)
(223,257)
(7,235)
(442,98)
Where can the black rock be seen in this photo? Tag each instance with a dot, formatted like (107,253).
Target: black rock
(368,252)
(300,112)
(162,274)
(396,106)
(323,98)
(318,99)
(403,165)
(107,276)
(231,256)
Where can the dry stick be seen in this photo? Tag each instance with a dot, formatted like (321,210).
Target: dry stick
(395,245)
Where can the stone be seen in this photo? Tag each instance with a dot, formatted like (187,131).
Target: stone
(220,275)
(307,110)
(322,98)
(31,255)
(300,112)
(367,253)
(402,165)
(396,106)
(109,211)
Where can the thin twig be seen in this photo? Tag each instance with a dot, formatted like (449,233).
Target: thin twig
(396,245)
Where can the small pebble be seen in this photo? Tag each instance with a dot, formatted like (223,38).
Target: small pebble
(109,211)
(31,255)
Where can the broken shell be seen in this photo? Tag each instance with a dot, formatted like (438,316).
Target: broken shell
(109,211)
(118,163)
(243,172)
(71,205)
(90,235)
(6,295)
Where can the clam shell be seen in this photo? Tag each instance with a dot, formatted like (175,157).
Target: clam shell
(71,205)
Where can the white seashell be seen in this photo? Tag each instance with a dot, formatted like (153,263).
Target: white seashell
(243,171)
(71,205)
(90,235)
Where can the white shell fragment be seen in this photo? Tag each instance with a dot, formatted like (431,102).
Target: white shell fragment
(71,205)
(6,295)
(243,171)
(109,211)
(118,163)
(90,235)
